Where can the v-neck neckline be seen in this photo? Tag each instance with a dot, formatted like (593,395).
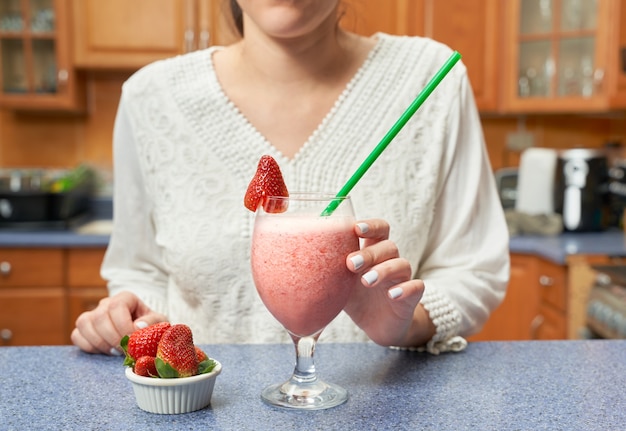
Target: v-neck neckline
(339,103)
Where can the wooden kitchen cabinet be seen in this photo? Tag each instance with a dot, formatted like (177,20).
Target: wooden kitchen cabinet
(564,56)
(43,291)
(545,300)
(32,297)
(36,67)
(126,35)
(515,318)
(85,285)
(472,28)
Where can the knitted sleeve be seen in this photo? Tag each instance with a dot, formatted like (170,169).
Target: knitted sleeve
(133,260)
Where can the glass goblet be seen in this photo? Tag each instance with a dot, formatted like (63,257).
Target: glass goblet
(299,269)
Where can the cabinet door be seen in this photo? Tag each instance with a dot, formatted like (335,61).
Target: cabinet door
(513,320)
(85,285)
(367,17)
(562,55)
(31,267)
(472,28)
(35,60)
(129,34)
(32,316)
(550,324)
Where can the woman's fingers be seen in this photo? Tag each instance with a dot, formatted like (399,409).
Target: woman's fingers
(366,258)
(372,231)
(101,329)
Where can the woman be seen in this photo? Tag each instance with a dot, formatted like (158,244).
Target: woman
(190,131)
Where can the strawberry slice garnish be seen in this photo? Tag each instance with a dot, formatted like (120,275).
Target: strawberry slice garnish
(267,181)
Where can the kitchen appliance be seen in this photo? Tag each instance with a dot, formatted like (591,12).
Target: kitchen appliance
(606,307)
(535,181)
(581,189)
(506,182)
(41,198)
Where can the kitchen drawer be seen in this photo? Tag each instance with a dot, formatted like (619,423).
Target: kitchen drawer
(552,282)
(32,316)
(84,267)
(31,267)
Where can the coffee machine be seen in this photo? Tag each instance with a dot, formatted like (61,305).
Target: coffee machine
(581,189)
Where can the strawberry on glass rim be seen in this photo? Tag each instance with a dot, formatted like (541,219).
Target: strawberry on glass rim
(267,182)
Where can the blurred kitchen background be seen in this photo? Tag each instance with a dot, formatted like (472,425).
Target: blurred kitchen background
(548,76)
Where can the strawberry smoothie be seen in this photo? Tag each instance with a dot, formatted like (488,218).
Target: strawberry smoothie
(299,268)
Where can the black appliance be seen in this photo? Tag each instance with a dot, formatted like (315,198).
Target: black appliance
(581,189)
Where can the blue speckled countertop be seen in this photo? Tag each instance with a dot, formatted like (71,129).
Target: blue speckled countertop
(535,385)
(557,248)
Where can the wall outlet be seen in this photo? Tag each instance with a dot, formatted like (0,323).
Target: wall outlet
(519,141)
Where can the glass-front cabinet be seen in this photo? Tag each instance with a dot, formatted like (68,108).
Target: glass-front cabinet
(36,71)
(564,55)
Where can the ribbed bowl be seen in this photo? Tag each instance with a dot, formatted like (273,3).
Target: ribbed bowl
(173,396)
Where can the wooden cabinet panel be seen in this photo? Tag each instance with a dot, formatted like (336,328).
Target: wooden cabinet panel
(471,29)
(116,33)
(126,35)
(80,300)
(43,291)
(32,316)
(31,267)
(553,284)
(85,285)
(542,71)
(513,319)
(367,17)
(36,68)
(83,267)
(550,324)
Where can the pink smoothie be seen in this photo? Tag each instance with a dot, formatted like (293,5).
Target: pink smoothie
(299,268)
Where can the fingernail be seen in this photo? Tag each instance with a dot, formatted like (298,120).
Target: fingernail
(363,227)
(370,277)
(115,352)
(357,261)
(141,324)
(396,292)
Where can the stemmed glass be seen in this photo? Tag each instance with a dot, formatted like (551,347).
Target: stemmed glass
(299,269)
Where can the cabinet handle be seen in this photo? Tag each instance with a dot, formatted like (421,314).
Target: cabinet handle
(535,325)
(5,268)
(205,37)
(6,335)
(63,76)
(189,35)
(546,281)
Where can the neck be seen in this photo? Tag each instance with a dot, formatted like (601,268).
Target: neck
(319,56)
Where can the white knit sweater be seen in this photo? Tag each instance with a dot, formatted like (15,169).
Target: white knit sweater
(184,156)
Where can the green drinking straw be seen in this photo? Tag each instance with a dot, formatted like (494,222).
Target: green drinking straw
(454,58)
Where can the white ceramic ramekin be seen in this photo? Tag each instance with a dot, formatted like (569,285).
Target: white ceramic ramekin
(173,396)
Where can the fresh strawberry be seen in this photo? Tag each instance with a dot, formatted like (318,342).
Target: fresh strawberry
(201,355)
(143,342)
(267,181)
(176,354)
(145,366)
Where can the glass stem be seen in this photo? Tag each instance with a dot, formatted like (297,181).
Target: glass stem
(304,371)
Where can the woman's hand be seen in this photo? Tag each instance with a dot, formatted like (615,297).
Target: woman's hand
(385,304)
(101,329)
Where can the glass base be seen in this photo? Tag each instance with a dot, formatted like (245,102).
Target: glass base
(317,395)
